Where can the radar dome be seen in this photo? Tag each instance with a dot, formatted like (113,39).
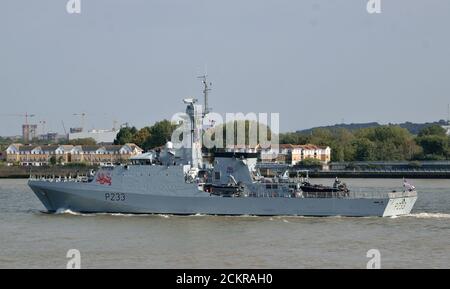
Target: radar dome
(169,145)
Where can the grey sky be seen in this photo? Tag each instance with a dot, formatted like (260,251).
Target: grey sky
(314,61)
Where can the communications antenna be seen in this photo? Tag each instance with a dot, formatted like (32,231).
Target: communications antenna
(206,90)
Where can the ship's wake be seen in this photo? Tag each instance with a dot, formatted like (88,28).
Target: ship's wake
(70,212)
(74,213)
(429,216)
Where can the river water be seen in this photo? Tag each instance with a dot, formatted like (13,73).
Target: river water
(30,238)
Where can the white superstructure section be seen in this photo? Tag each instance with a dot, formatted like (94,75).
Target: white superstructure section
(100,136)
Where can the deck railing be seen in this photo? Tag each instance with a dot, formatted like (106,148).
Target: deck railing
(338,195)
(57,179)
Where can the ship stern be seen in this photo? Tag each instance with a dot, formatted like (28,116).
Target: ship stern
(400,203)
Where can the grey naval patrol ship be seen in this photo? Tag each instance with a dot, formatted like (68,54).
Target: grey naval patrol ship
(175,181)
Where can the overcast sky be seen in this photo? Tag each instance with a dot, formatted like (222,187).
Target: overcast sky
(316,62)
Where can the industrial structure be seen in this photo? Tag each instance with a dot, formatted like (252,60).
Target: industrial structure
(101,136)
(29,132)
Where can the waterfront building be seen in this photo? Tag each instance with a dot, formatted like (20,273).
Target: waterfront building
(293,154)
(29,155)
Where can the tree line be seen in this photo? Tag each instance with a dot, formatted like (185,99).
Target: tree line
(147,137)
(158,134)
(382,143)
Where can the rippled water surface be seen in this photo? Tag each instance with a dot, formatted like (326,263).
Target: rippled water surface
(30,238)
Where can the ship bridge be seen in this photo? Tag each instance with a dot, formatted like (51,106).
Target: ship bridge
(144,159)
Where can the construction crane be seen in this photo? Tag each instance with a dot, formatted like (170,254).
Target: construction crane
(64,127)
(28,131)
(83,118)
(26,116)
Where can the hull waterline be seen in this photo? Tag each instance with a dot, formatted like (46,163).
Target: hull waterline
(57,196)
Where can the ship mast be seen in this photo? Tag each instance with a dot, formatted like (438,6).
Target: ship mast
(206,90)
(195,121)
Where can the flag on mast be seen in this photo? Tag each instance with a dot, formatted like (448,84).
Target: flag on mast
(408,186)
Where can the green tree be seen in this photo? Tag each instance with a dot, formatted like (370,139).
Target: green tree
(321,136)
(433,130)
(310,162)
(388,142)
(52,160)
(293,138)
(249,127)
(141,136)
(364,149)
(125,135)
(160,133)
(341,145)
(434,142)
(434,145)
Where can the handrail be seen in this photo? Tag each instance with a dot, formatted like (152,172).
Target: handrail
(57,179)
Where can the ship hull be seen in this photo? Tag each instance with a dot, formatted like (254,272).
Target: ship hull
(57,196)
